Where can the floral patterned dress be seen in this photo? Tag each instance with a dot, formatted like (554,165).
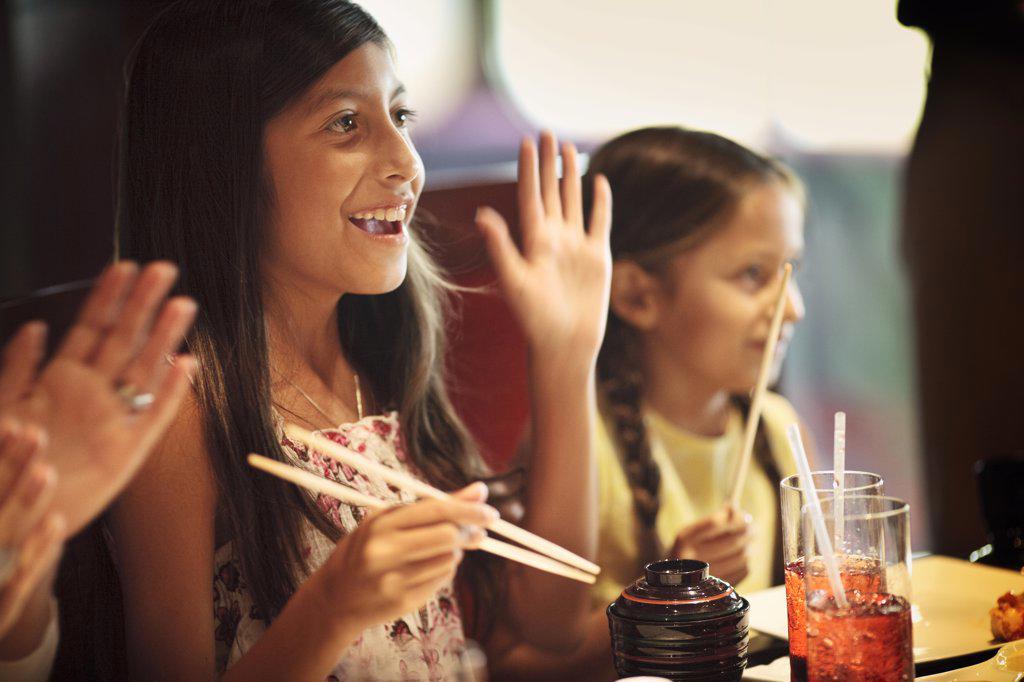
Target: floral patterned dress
(425,645)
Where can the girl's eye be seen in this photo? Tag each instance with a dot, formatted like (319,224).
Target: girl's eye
(345,123)
(404,117)
(754,274)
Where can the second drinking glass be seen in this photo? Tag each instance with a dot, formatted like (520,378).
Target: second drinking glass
(865,634)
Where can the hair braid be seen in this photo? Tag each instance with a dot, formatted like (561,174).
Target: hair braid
(621,382)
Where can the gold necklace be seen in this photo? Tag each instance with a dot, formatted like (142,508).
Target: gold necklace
(359,399)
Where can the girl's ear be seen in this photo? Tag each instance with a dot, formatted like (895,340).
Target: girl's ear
(635,295)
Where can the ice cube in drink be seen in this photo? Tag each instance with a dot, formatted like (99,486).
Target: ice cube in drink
(858,573)
(870,640)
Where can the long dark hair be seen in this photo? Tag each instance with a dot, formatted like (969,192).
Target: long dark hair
(673,187)
(200,87)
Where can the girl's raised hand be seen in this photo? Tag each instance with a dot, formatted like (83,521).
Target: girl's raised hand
(117,348)
(557,283)
(397,559)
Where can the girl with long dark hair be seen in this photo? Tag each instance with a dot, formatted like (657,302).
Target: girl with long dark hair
(265,150)
(702,228)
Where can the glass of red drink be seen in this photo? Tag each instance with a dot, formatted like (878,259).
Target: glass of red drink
(869,636)
(792,500)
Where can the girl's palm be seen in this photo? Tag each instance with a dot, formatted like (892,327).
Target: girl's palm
(557,283)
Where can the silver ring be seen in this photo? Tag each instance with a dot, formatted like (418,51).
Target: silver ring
(135,401)
(8,564)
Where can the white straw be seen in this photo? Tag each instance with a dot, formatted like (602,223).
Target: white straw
(839,481)
(817,518)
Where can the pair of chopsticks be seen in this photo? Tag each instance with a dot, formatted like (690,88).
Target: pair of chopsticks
(549,557)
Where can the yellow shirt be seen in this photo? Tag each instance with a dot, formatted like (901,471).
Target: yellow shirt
(695,473)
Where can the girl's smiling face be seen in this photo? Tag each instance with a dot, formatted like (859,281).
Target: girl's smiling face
(345,179)
(715,301)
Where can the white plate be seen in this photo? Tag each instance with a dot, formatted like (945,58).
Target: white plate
(951,599)
(1005,666)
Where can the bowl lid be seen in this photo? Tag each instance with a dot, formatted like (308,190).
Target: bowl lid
(677,590)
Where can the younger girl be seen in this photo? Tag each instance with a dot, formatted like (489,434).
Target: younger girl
(265,149)
(701,230)
(703,227)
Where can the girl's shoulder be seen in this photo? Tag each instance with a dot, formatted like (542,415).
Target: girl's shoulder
(778,413)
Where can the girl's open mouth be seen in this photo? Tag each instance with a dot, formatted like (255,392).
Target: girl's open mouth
(374,226)
(380,220)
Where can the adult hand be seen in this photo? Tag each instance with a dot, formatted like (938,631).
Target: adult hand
(557,284)
(722,539)
(31,533)
(116,351)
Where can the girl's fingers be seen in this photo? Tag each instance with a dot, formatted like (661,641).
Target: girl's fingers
(440,569)
(124,339)
(21,358)
(36,557)
(733,570)
(474,492)
(30,500)
(98,312)
(572,191)
(730,543)
(12,455)
(500,247)
(549,175)
(601,210)
(720,552)
(428,542)
(430,512)
(20,451)
(697,529)
(146,371)
(30,492)
(528,190)
(724,537)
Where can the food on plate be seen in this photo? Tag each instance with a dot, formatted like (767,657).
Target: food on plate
(1008,617)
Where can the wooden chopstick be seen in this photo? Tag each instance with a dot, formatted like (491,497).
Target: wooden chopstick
(347,495)
(418,487)
(756,404)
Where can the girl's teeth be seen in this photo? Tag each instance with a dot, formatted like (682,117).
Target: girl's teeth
(389,214)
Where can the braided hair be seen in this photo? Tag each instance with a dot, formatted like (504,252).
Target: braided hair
(696,179)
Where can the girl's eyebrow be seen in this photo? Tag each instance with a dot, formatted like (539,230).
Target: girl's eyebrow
(329,95)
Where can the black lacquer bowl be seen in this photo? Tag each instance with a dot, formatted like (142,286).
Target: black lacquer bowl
(679,622)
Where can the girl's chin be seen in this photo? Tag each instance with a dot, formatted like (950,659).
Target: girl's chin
(381,283)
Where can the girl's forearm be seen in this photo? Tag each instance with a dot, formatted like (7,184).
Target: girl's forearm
(305,641)
(561,499)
